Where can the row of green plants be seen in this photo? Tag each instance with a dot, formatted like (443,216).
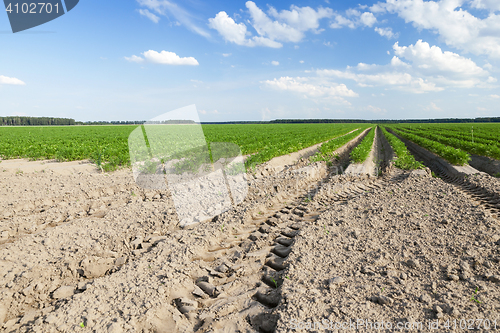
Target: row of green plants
(453,155)
(480,146)
(362,151)
(327,149)
(266,141)
(405,160)
(104,145)
(108,146)
(490,131)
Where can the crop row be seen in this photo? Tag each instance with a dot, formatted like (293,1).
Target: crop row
(478,148)
(405,160)
(109,145)
(470,132)
(327,149)
(452,155)
(485,138)
(362,151)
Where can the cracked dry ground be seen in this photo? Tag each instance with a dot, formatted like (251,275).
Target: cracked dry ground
(94,253)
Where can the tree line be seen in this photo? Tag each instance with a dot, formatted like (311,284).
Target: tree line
(50,121)
(35,121)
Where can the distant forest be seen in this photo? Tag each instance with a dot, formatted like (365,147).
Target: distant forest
(48,121)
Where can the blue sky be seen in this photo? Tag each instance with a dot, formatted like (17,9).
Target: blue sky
(256,60)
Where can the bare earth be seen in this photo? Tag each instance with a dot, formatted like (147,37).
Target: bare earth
(82,251)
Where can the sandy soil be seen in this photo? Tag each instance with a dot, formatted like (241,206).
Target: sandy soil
(23,165)
(82,251)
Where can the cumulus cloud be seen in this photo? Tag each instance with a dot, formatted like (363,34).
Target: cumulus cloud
(397,80)
(11,81)
(164,58)
(433,107)
(425,68)
(272,27)
(149,15)
(432,60)
(312,88)
(396,62)
(169,58)
(454,24)
(166,7)
(368,19)
(135,58)
(236,32)
(289,25)
(386,32)
(375,109)
(491,5)
(495,96)
(275,63)
(353,19)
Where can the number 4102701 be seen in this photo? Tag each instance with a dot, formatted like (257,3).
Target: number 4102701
(33,8)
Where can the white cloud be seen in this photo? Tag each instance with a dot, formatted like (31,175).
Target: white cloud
(396,62)
(433,107)
(149,15)
(375,109)
(290,25)
(135,58)
(272,28)
(312,88)
(454,24)
(168,58)
(353,19)
(365,67)
(11,81)
(432,60)
(341,22)
(491,5)
(165,7)
(386,32)
(236,32)
(164,58)
(368,19)
(495,96)
(225,55)
(428,69)
(301,61)
(275,63)
(397,80)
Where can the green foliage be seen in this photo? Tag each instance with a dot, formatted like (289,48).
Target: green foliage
(405,159)
(108,146)
(361,152)
(327,149)
(480,146)
(105,143)
(266,141)
(452,155)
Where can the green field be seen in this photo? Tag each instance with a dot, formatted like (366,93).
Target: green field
(108,145)
(404,160)
(454,142)
(362,151)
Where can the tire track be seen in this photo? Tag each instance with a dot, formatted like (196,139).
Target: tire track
(488,198)
(244,280)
